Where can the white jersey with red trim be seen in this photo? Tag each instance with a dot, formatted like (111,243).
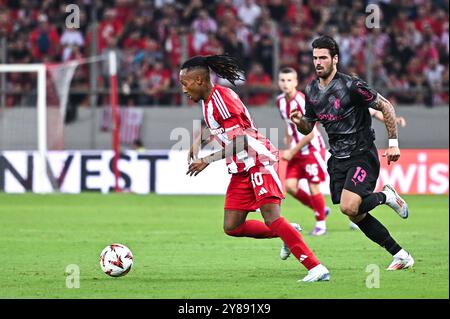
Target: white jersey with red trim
(285,107)
(227,117)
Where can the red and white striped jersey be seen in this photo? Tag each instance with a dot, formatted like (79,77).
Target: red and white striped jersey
(227,117)
(285,107)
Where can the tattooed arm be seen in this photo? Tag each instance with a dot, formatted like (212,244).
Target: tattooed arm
(379,116)
(390,120)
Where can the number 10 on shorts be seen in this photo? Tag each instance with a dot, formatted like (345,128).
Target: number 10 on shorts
(257,179)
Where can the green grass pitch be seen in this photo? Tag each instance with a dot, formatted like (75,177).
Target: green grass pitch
(181,251)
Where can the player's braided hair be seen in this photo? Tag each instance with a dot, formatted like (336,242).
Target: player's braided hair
(224,66)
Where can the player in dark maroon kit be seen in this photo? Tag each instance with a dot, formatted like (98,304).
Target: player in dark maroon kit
(305,153)
(251,159)
(341,103)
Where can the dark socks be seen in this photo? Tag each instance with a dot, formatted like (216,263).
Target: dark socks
(371,201)
(376,232)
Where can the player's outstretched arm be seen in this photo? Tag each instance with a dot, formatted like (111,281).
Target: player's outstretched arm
(303,126)
(290,153)
(393,152)
(195,148)
(239,144)
(287,137)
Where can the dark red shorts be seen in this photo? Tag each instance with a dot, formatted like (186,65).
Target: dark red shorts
(311,166)
(250,190)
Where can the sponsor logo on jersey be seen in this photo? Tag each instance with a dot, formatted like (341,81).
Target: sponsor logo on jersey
(218,131)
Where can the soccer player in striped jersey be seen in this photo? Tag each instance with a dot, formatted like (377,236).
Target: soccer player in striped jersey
(251,159)
(306,153)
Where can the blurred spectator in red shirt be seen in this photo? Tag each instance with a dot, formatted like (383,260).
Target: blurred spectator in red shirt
(124,10)
(427,51)
(172,45)
(288,52)
(44,39)
(156,80)
(425,16)
(258,79)
(6,26)
(212,46)
(298,13)
(223,8)
(151,51)
(110,26)
(134,42)
(415,66)
(400,22)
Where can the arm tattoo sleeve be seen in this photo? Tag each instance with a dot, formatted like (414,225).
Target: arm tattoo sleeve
(390,120)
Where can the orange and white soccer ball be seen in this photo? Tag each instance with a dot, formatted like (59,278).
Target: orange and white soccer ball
(116,260)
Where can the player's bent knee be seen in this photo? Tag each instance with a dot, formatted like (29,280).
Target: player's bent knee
(348,209)
(291,186)
(268,222)
(314,189)
(291,189)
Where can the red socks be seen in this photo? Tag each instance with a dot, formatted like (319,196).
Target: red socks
(318,204)
(315,202)
(294,241)
(304,198)
(252,228)
(279,228)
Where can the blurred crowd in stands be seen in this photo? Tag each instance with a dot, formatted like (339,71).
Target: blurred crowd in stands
(410,48)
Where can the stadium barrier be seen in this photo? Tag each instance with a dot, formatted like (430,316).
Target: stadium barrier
(420,171)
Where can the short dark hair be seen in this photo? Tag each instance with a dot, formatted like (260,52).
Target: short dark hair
(326,42)
(287,69)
